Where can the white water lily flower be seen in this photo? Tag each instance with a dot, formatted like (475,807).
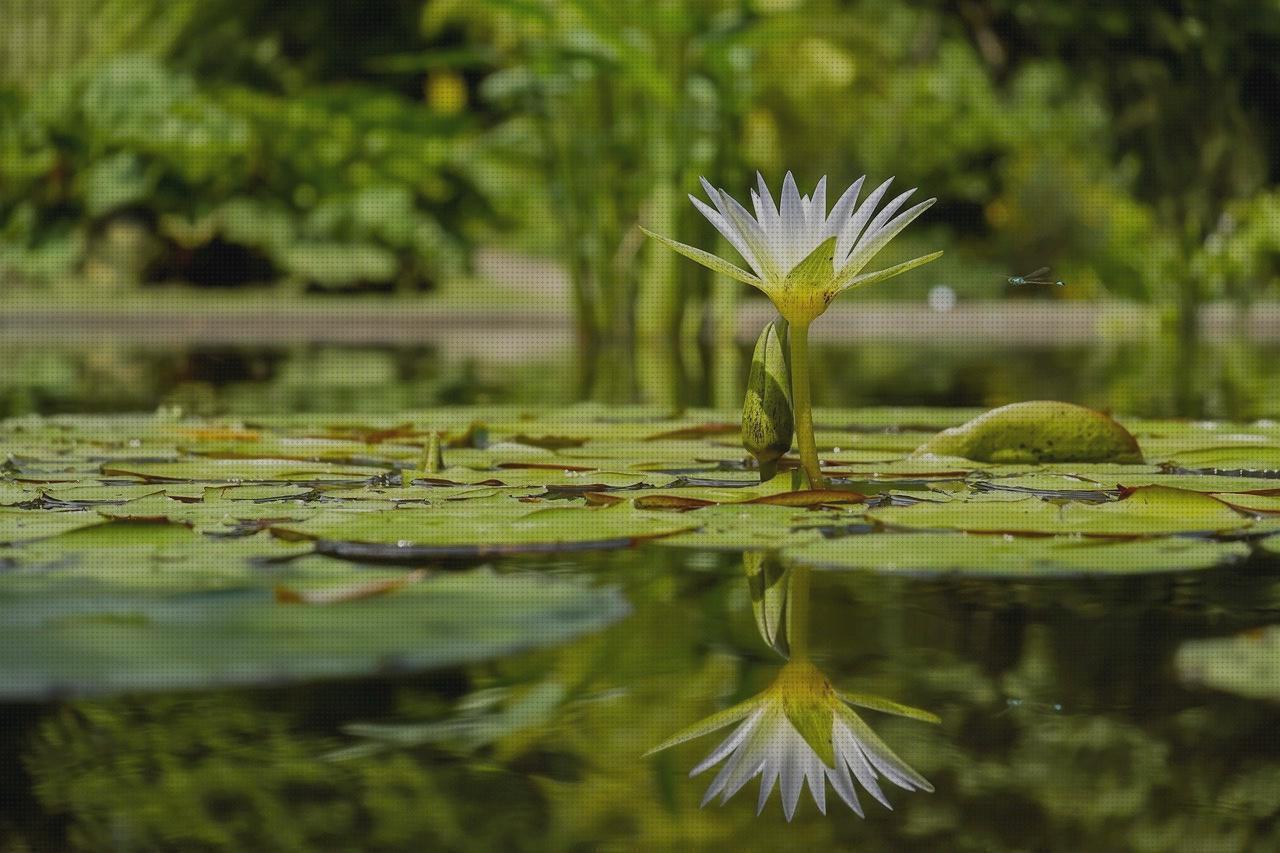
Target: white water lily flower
(800,730)
(800,254)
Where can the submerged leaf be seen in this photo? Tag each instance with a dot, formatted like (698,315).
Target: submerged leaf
(1247,664)
(1013,556)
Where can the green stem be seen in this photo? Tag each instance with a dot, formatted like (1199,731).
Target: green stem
(798,612)
(800,401)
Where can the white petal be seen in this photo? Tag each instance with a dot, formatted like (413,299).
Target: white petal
(793,766)
(717,198)
(722,778)
(767,779)
(815,773)
(754,236)
(850,230)
(770,224)
(771,209)
(741,777)
(713,194)
(883,216)
(842,783)
(878,752)
(730,743)
(758,754)
(789,206)
(819,212)
(867,249)
(840,213)
(730,233)
(847,750)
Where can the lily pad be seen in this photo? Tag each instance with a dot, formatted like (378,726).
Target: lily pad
(1146,511)
(133,529)
(25,525)
(234,471)
(72,645)
(501,528)
(1038,431)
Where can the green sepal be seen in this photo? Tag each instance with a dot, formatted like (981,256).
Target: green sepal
(881,275)
(718,720)
(814,721)
(879,703)
(708,260)
(817,270)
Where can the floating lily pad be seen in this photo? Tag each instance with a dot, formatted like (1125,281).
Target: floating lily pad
(70,645)
(25,525)
(744,527)
(1252,457)
(117,556)
(1251,503)
(235,471)
(498,528)
(1146,511)
(1039,431)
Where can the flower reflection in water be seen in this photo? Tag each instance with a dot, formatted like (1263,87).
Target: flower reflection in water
(800,729)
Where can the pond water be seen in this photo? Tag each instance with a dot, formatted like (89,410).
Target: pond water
(1063,727)
(1069,720)
(1152,377)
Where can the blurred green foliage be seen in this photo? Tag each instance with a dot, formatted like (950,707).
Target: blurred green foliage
(1230,379)
(161,161)
(1132,148)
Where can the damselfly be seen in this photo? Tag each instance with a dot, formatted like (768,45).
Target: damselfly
(1034,707)
(1037,277)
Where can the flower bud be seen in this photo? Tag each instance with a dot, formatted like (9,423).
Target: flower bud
(767,423)
(769,582)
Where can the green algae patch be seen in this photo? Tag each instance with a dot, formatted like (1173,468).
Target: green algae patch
(1034,432)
